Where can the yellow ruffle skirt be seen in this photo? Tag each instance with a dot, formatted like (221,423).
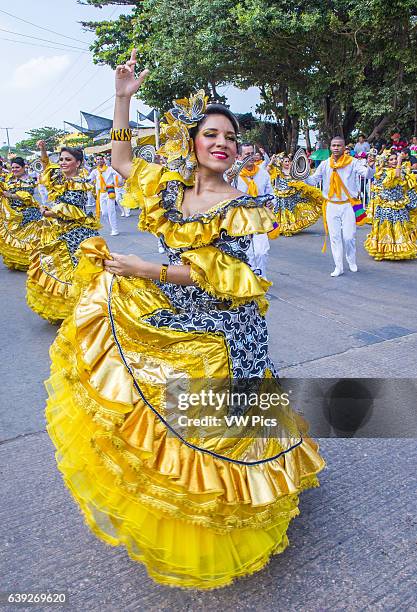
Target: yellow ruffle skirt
(305,213)
(390,241)
(17,241)
(195,519)
(49,290)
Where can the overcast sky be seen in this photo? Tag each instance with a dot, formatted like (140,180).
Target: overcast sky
(46,82)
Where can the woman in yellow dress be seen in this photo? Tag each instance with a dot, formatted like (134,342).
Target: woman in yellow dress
(198,511)
(49,290)
(391,236)
(298,205)
(21,222)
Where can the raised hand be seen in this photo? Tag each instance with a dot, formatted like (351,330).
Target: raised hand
(125,81)
(41,144)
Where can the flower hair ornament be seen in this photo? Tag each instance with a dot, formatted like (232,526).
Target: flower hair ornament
(177,145)
(277,159)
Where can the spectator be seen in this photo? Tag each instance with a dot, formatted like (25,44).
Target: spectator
(413,147)
(350,149)
(397,144)
(362,146)
(379,143)
(406,156)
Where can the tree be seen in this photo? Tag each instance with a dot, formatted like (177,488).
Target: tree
(50,135)
(338,65)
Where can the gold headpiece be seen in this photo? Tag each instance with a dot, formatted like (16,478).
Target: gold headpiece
(278,159)
(177,145)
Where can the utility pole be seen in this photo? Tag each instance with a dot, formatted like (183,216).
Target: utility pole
(7,135)
(156,121)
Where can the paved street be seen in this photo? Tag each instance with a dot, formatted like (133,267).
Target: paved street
(354,545)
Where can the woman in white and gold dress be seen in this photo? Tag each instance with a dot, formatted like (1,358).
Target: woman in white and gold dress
(197,511)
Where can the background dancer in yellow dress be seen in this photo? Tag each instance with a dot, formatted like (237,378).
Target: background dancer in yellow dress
(51,269)
(392,236)
(21,221)
(197,512)
(297,205)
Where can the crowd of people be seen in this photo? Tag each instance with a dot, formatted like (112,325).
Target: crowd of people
(197,511)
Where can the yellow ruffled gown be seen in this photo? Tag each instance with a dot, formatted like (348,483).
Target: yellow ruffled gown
(49,290)
(198,512)
(298,205)
(391,235)
(412,206)
(22,226)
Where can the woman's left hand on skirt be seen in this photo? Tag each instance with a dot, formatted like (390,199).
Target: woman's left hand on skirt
(125,265)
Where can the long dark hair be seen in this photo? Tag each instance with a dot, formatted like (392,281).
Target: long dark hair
(19,161)
(216,109)
(76,152)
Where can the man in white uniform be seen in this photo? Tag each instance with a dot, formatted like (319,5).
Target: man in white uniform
(104,178)
(340,185)
(119,184)
(255,180)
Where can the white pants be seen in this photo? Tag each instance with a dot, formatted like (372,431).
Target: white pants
(342,225)
(91,202)
(258,255)
(43,193)
(108,210)
(119,196)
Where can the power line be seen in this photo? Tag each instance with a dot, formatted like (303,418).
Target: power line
(22,42)
(72,97)
(58,82)
(41,28)
(108,99)
(54,42)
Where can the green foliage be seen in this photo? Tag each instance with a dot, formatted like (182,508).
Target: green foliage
(50,135)
(337,64)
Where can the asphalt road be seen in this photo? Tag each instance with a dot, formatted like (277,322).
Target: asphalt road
(354,545)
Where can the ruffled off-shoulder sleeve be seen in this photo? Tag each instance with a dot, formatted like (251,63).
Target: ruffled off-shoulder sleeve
(46,177)
(142,183)
(391,180)
(236,218)
(27,198)
(226,277)
(69,212)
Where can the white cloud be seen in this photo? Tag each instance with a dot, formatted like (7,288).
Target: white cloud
(39,71)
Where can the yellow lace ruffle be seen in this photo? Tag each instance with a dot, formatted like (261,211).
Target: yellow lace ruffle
(69,212)
(136,485)
(226,277)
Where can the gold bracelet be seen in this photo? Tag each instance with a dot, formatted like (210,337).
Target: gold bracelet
(163,274)
(122,134)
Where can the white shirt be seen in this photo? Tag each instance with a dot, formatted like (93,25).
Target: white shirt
(108,176)
(262,180)
(349,174)
(362,147)
(118,180)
